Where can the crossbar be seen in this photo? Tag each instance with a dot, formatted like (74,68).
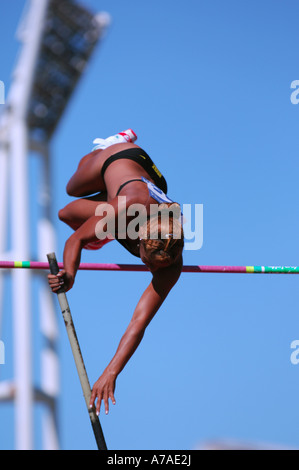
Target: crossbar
(143,268)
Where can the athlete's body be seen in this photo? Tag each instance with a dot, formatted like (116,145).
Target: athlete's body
(121,177)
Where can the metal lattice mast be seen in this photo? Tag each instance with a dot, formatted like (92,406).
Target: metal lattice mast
(58,38)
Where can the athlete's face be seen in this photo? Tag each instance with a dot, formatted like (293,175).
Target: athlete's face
(150,261)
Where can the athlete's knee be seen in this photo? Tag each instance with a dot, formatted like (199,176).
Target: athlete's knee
(71,190)
(74,186)
(64,214)
(75,189)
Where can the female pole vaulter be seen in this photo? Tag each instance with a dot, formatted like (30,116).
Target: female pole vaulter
(113,170)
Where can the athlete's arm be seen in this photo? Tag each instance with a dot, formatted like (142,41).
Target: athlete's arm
(150,302)
(86,233)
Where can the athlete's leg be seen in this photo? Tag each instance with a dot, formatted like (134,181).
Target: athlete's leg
(77,212)
(85,159)
(87,179)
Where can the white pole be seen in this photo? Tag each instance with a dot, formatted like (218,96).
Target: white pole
(20,91)
(3,214)
(3,193)
(18,101)
(48,316)
(21,289)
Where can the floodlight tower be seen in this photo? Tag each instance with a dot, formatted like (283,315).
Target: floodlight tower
(58,39)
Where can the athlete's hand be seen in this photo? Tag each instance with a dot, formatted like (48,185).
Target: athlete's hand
(62,279)
(103,389)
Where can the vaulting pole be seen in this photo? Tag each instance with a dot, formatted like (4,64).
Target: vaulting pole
(66,313)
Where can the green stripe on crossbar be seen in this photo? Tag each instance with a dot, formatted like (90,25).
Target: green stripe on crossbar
(276,269)
(22,264)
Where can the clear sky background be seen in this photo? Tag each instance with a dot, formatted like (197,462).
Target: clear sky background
(206,86)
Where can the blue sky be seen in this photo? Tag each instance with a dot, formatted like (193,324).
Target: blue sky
(206,87)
